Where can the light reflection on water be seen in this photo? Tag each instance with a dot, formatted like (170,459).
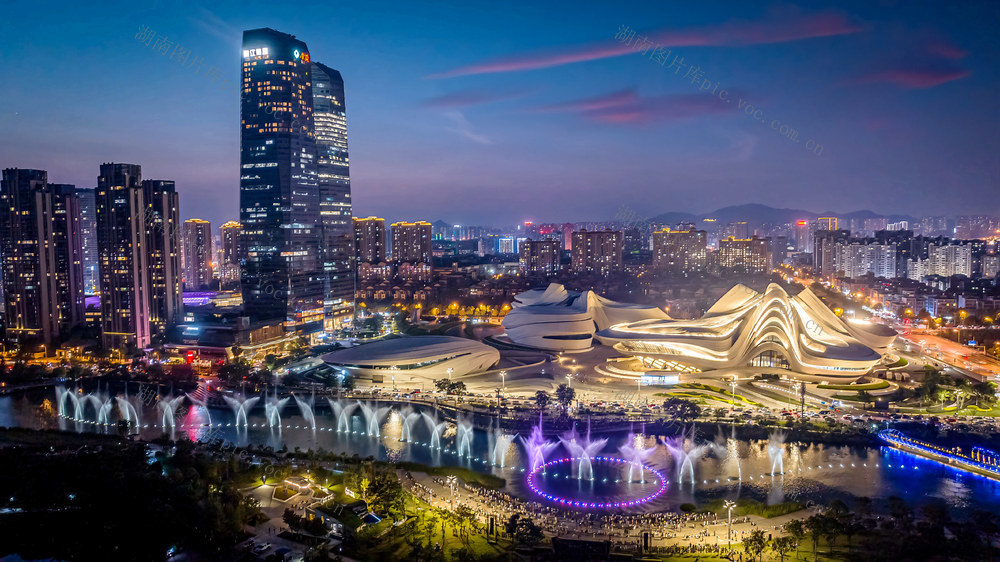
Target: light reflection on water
(812,472)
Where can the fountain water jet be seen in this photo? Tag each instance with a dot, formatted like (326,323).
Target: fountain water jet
(537,446)
(584,449)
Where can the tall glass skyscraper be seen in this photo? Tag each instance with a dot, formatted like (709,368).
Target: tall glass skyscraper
(329,115)
(293,184)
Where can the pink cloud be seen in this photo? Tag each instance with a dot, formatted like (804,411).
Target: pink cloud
(471,97)
(915,78)
(731,34)
(627,107)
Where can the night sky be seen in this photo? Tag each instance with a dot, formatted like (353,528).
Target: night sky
(497,112)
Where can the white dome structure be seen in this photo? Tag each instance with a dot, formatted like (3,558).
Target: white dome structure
(555,319)
(750,329)
(410,357)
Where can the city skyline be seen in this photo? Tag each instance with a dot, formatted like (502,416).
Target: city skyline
(607,125)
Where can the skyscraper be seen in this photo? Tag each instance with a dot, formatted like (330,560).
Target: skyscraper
(411,242)
(597,251)
(369,240)
(231,254)
(680,251)
(163,234)
(138,240)
(743,256)
(121,238)
(330,118)
(88,233)
(197,254)
(288,273)
(42,256)
(539,256)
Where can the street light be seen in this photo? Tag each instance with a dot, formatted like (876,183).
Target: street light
(732,384)
(393,369)
(729,506)
(450,371)
(451,480)
(503,379)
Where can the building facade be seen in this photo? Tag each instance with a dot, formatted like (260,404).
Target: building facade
(680,251)
(539,257)
(369,240)
(88,232)
(749,256)
(411,242)
(230,251)
(42,256)
(598,251)
(197,254)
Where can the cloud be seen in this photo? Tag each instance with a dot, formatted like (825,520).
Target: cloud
(730,34)
(628,107)
(464,128)
(471,97)
(217,27)
(914,78)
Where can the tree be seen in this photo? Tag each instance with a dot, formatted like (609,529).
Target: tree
(457,388)
(865,397)
(755,543)
(442,385)
(564,396)
(542,399)
(815,525)
(783,545)
(681,409)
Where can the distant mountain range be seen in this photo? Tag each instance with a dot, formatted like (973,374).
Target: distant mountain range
(762,214)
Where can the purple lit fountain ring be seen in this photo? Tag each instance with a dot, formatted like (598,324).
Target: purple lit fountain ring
(657,478)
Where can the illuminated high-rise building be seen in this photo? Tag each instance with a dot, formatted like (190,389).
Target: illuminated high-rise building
(598,251)
(279,194)
(231,253)
(411,242)
(330,118)
(197,254)
(369,240)
(749,255)
(42,256)
(680,251)
(294,186)
(88,235)
(539,256)
(163,234)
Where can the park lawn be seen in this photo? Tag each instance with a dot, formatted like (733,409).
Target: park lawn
(877,385)
(397,543)
(282,493)
(337,494)
(468,476)
(747,506)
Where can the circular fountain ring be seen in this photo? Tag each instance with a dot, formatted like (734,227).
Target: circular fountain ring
(533,485)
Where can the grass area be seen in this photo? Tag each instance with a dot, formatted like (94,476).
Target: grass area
(399,542)
(740,400)
(468,476)
(747,506)
(847,397)
(877,385)
(898,364)
(282,493)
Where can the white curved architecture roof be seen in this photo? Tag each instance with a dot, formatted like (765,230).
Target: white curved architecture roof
(560,320)
(747,328)
(424,356)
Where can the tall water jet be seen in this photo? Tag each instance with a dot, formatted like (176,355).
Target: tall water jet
(272,410)
(584,449)
(498,442)
(343,414)
(635,451)
(167,407)
(726,450)
(409,418)
(463,437)
(684,450)
(306,408)
(127,410)
(240,406)
(776,451)
(436,428)
(201,404)
(537,446)
(373,417)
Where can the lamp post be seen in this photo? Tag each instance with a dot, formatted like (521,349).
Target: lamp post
(450,371)
(451,484)
(503,379)
(729,506)
(732,384)
(393,370)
